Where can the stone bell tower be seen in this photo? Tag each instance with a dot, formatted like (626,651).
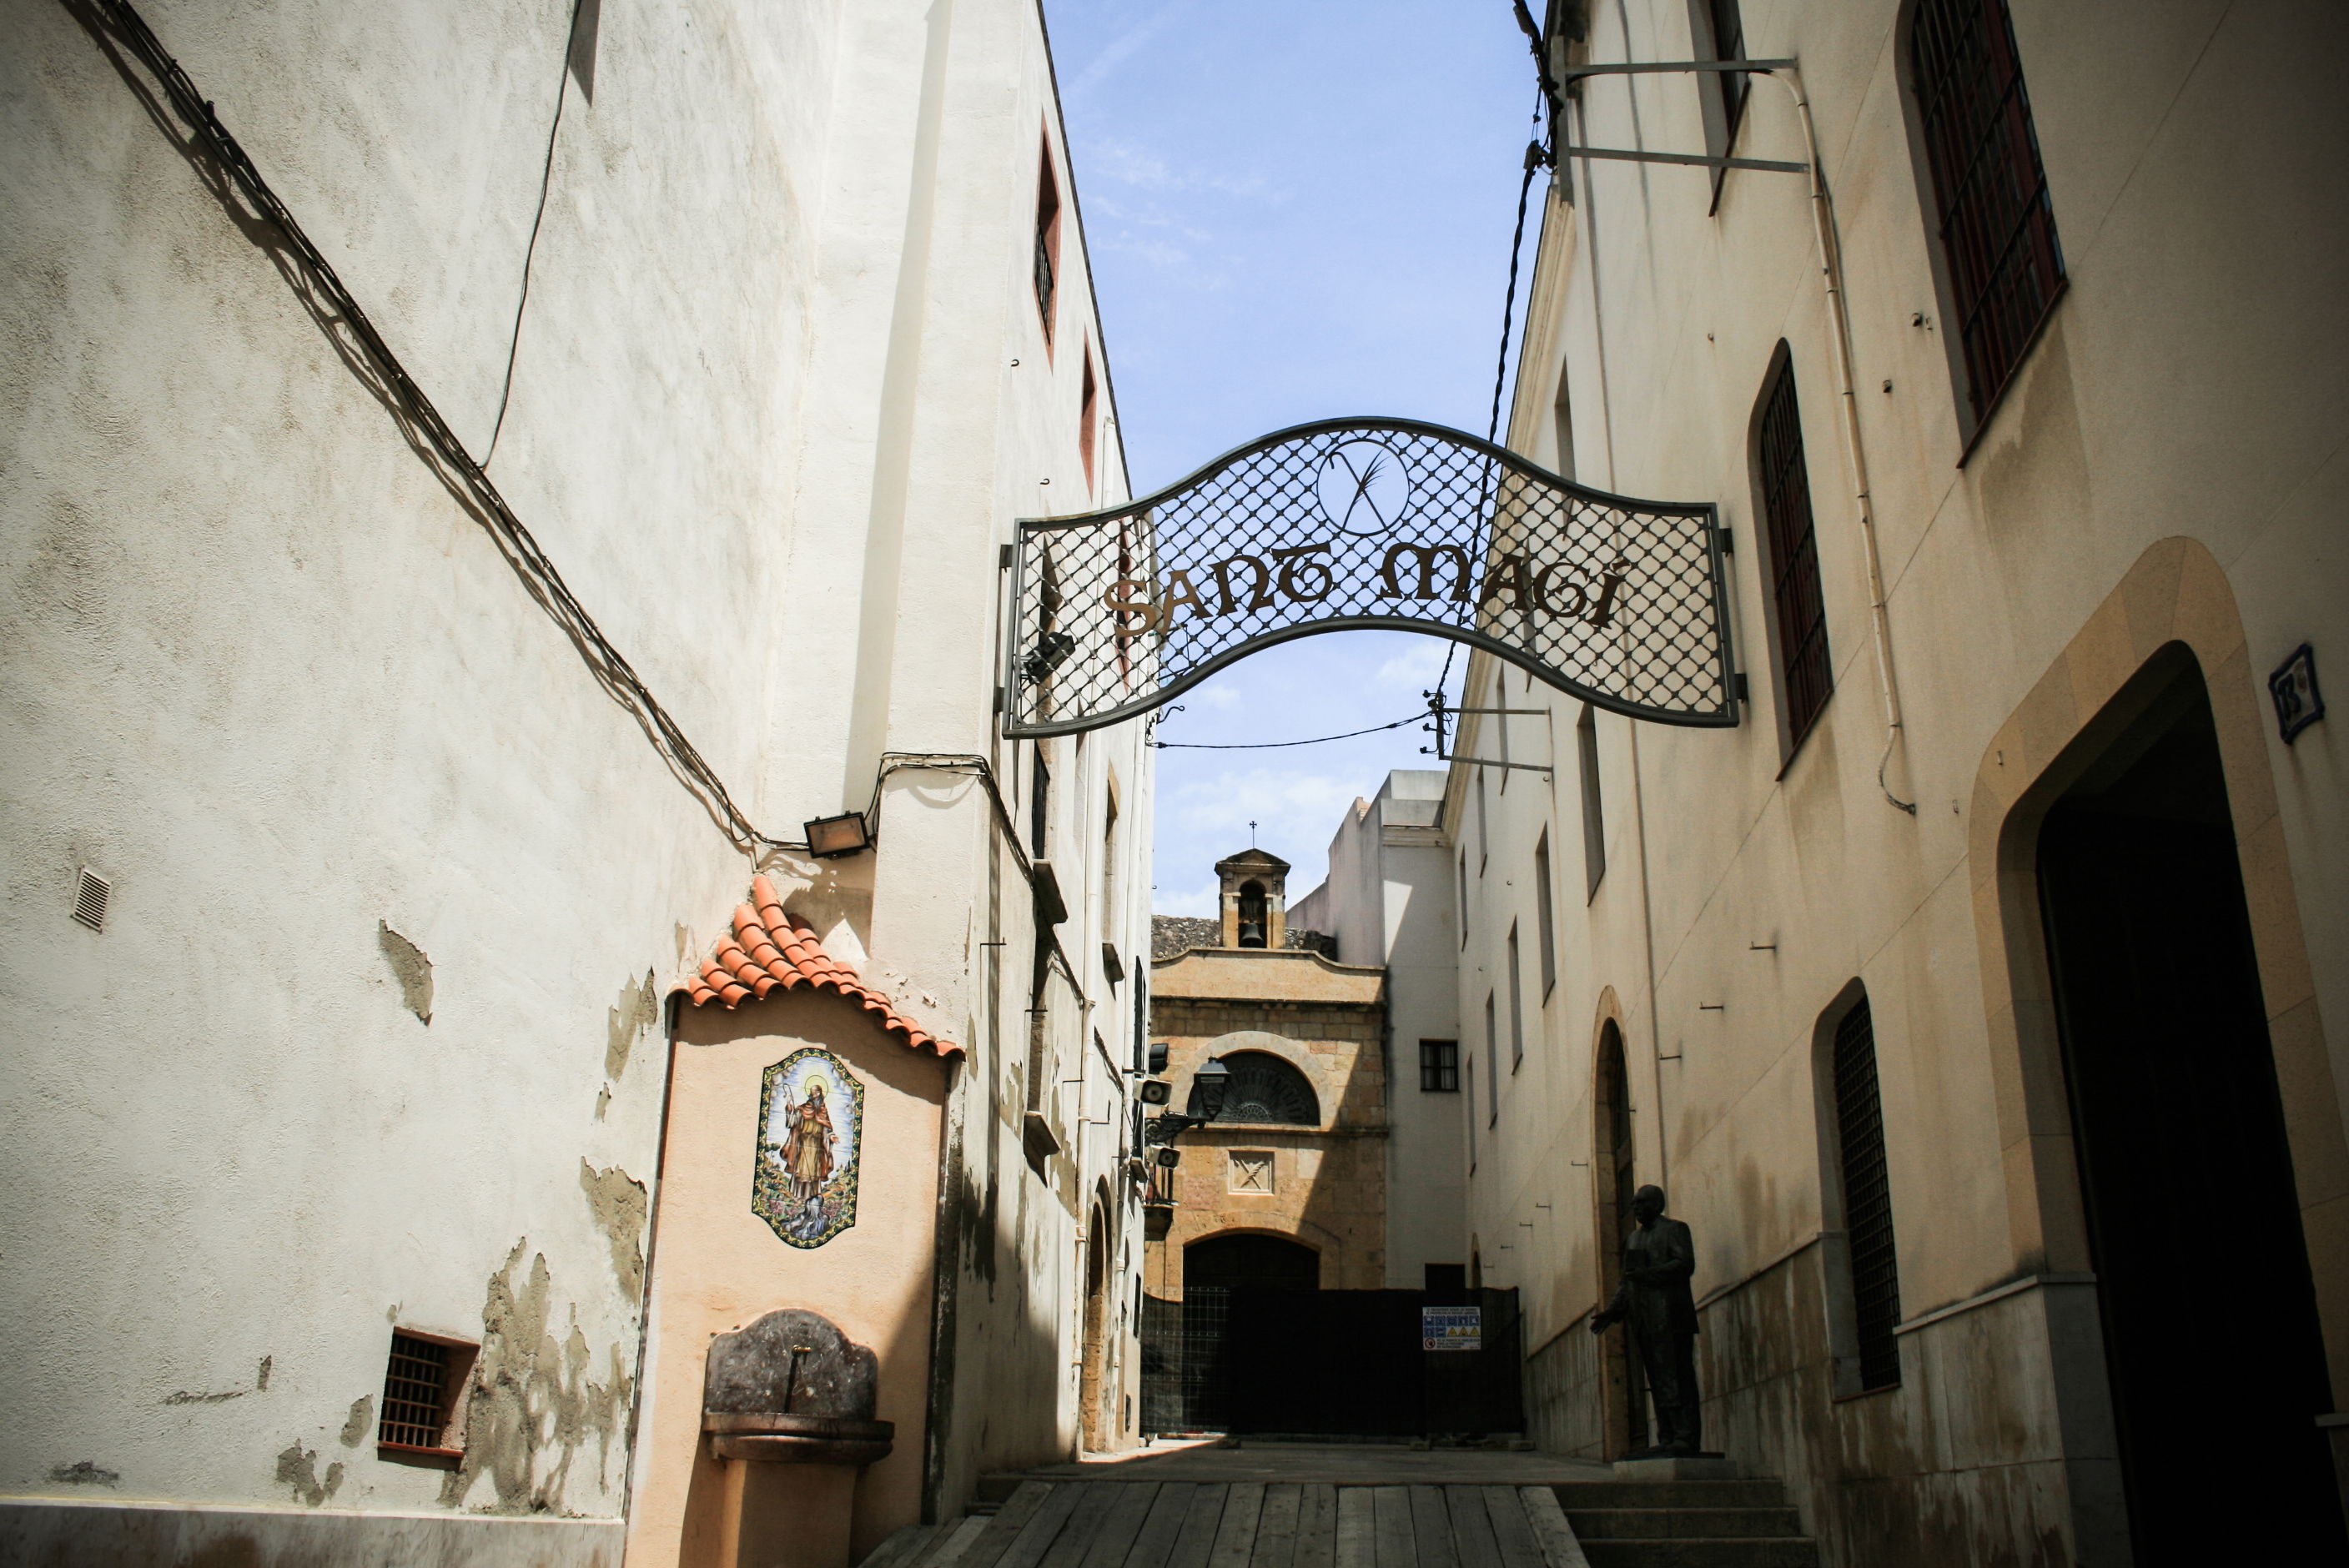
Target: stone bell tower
(1254,900)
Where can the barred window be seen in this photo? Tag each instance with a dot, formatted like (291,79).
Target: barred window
(1866,1199)
(1996,224)
(1806,677)
(1265,1088)
(420,1387)
(1048,240)
(1439,1067)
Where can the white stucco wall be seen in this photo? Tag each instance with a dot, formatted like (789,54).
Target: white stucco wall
(1389,902)
(268,677)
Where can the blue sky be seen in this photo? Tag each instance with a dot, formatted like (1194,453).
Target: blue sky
(1296,210)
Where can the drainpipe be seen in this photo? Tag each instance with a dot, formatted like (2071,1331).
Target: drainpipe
(1855,454)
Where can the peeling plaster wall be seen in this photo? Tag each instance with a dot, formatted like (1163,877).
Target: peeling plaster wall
(266,674)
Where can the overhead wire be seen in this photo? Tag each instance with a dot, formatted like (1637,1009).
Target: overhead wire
(1275,745)
(339,313)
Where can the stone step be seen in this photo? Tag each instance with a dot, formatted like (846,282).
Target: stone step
(1580,1495)
(1723,1551)
(1682,1523)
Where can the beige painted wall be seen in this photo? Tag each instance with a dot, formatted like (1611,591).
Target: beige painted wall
(2166,465)
(720,1267)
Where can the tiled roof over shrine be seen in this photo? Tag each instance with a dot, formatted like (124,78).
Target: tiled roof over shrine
(770,951)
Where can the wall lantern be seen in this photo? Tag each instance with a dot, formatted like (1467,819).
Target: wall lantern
(1207,1087)
(830,838)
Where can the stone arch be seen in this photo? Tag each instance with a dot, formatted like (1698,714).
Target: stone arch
(1313,1069)
(2172,609)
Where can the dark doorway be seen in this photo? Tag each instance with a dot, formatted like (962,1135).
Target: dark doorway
(1251,1263)
(2208,1311)
(1255,1347)
(1618,1178)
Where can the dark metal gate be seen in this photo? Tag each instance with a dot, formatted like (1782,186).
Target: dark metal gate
(1325,1363)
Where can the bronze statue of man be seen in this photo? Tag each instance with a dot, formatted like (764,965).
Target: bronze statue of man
(1658,1261)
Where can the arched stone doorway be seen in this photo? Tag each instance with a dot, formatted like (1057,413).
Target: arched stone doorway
(1250,1262)
(1614,1168)
(2179,1138)
(1097,1401)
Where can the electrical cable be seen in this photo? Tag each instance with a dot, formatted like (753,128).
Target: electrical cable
(1275,745)
(1536,156)
(347,325)
(530,251)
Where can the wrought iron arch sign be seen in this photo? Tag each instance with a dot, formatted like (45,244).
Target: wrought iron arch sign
(1347,524)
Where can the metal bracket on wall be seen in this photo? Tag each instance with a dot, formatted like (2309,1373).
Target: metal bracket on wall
(1573,74)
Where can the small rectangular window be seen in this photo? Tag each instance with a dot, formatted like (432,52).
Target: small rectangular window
(1491,1058)
(1439,1067)
(1594,822)
(1463,898)
(1048,240)
(1086,400)
(423,1413)
(1517,1005)
(1729,44)
(1468,1099)
(1040,808)
(1807,678)
(1483,826)
(1546,926)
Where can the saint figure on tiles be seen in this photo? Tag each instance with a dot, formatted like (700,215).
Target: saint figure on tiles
(811,1115)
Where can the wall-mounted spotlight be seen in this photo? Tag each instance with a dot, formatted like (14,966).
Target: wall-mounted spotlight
(830,838)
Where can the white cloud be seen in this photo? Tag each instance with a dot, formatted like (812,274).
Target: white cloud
(1121,49)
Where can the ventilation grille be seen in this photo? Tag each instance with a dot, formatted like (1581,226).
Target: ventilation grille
(415,1393)
(89,899)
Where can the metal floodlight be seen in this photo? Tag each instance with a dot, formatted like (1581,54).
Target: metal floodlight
(1169,1156)
(1156,1092)
(1207,1087)
(831,838)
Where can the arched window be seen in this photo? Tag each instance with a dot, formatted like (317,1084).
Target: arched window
(2002,266)
(1798,622)
(1253,924)
(1266,1089)
(1864,1288)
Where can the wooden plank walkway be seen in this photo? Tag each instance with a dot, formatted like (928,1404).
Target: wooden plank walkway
(1248,1524)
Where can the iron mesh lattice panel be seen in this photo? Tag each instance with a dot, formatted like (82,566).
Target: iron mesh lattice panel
(415,1392)
(1867,1199)
(1368,523)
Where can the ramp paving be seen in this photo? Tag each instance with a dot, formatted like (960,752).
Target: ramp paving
(1354,1506)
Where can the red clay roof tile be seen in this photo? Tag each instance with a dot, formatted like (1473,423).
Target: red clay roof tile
(769,951)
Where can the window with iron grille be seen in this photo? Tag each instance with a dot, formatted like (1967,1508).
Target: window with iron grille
(1546,917)
(1996,225)
(1806,678)
(1439,1067)
(421,1385)
(1729,44)
(1048,240)
(1866,1199)
(1086,400)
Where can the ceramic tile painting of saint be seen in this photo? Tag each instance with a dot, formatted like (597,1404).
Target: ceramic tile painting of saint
(811,1127)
